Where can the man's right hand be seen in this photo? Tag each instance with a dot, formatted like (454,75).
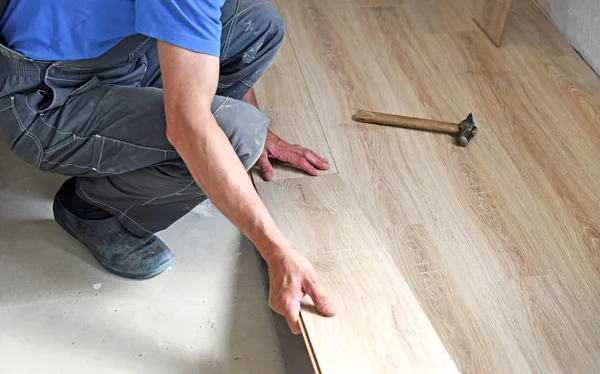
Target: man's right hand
(291,277)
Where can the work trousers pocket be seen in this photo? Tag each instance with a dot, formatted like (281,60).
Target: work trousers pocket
(15,129)
(98,155)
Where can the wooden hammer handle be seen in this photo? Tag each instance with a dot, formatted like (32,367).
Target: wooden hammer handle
(402,121)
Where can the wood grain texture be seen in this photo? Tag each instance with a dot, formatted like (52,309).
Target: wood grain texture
(499,242)
(492,16)
(375,303)
(293,115)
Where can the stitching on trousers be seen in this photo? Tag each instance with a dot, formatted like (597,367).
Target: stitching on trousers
(233,21)
(258,72)
(8,107)
(133,145)
(113,208)
(77,166)
(173,194)
(218,110)
(86,86)
(27,103)
(126,210)
(38,160)
(64,145)
(57,130)
(245,82)
(101,149)
(158,197)
(139,46)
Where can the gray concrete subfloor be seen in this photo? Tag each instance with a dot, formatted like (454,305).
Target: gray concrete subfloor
(60,312)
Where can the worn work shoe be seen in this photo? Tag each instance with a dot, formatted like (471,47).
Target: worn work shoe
(114,247)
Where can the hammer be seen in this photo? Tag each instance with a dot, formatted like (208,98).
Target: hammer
(464,131)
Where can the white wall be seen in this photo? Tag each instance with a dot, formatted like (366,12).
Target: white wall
(579,22)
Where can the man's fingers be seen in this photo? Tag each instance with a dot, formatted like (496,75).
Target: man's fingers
(291,312)
(313,158)
(300,161)
(265,166)
(322,302)
(293,324)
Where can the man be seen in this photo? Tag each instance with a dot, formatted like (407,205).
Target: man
(120,95)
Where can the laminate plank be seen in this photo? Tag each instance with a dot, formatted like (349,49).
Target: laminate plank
(492,16)
(498,241)
(520,305)
(435,17)
(380,327)
(546,310)
(292,115)
(426,272)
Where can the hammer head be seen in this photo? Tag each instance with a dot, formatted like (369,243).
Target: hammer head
(466,131)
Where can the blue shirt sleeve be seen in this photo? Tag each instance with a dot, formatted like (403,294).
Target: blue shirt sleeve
(190,24)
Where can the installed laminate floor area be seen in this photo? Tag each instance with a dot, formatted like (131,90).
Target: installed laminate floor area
(498,242)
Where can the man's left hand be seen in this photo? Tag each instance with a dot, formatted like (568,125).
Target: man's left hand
(279,149)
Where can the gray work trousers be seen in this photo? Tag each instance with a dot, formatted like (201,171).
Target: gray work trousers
(102,120)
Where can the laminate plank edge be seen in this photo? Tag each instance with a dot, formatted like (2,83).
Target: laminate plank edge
(309,347)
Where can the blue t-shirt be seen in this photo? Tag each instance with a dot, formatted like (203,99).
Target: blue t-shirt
(76,29)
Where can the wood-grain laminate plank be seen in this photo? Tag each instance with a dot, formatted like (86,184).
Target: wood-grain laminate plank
(375,304)
(499,240)
(292,115)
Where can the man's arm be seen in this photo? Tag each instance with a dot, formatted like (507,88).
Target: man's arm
(189,85)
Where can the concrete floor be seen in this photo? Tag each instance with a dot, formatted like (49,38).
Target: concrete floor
(60,312)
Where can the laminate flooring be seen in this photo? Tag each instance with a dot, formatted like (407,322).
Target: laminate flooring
(498,242)
(491,15)
(375,303)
